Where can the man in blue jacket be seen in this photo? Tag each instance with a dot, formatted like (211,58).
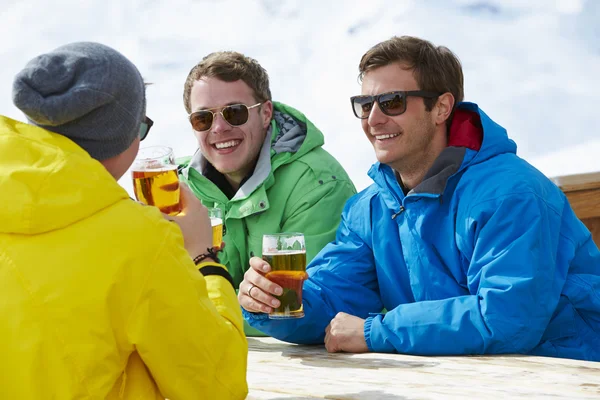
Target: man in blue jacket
(470,248)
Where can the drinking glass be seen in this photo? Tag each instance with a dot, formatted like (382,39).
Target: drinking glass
(155,180)
(286,253)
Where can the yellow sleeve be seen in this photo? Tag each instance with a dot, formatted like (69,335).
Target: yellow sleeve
(188,330)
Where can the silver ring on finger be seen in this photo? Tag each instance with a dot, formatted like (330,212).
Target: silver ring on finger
(252,286)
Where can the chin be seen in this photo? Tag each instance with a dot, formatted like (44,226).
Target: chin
(383,158)
(225,169)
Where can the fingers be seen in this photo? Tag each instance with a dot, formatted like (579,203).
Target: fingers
(330,341)
(263,290)
(185,190)
(256,291)
(249,303)
(265,285)
(253,299)
(256,275)
(188,199)
(259,265)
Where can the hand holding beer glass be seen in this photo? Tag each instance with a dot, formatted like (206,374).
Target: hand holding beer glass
(286,253)
(155,180)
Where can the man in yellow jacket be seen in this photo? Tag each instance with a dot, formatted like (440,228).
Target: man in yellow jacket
(100,296)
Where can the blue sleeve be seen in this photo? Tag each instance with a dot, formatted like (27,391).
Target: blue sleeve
(341,278)
(511,248)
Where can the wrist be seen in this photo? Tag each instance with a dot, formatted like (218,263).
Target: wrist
(209,255)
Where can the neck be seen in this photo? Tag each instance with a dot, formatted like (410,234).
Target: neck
(413,171)
(235,180)
(411,179)
(237,177)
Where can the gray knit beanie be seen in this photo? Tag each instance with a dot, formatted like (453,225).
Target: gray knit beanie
(87,92)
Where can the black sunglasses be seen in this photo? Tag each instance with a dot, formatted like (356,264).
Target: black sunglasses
(234,115)
(145,127)
(391,103)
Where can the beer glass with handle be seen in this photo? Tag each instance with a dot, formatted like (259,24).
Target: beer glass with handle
(286,253)
(155,180)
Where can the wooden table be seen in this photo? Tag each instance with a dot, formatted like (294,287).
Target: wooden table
(277,370)
(583,192)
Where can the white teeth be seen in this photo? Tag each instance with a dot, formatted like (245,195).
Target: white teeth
(226,145)
(383,137)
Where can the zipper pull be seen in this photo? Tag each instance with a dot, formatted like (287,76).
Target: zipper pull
(399,212)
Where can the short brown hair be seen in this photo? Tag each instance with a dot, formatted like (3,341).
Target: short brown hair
(229,66)
(436,69)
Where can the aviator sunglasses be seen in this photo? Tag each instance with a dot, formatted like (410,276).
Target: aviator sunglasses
(390,103)
(145,128)
(234,115)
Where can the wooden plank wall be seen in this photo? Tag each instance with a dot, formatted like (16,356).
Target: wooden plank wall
(583,192)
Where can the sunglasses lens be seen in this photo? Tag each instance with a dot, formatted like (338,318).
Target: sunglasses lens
(201,120)
(392,103)
(362,106)
(236,115)
(143,130)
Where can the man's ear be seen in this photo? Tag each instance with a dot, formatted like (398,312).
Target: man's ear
(443,108)
(266,113)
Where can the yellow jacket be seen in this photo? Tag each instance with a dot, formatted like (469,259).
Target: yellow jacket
(98,297)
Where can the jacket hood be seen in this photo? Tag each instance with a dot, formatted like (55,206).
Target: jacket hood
(47,182)
(473,138)
(293,132)
(471,122)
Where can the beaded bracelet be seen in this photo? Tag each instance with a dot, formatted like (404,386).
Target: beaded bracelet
(209,254)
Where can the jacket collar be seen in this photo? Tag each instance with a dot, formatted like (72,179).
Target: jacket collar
(473,138)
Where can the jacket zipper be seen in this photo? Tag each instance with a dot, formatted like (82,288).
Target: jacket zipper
(399,212)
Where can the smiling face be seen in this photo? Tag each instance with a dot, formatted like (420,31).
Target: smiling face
(232,150)
(407,141)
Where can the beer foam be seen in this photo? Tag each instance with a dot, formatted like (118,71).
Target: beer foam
(274,252)
(154,167)
(215,221)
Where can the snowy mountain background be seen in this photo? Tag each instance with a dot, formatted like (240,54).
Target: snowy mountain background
(532,65)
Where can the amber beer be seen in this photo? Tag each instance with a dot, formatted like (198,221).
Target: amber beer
(158,188)
(216,222)
(288,270)
(155,180)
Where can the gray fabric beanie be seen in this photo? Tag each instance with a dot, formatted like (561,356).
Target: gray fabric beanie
(87,92)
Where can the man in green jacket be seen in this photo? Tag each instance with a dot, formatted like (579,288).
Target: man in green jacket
(260,161)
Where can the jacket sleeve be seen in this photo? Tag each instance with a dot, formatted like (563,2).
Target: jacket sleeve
(188,329)
(342,278)
(316,210)
(511,248)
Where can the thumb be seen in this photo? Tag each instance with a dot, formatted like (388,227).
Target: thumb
(187,196)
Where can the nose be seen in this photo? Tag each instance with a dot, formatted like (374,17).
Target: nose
(219,124)
(376,116)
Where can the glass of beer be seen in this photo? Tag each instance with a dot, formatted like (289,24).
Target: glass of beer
(286,253)
(216,222)
(155,180)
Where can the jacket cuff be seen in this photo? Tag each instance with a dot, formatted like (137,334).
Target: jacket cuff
(377,335)
(367,332)
(253,318)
